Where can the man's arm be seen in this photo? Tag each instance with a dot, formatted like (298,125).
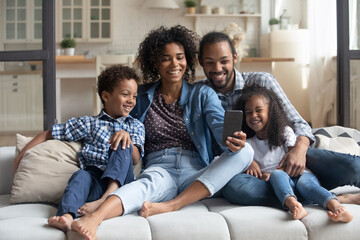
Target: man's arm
(40,138)
(294,161)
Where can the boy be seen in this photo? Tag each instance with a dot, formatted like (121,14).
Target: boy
(103,166)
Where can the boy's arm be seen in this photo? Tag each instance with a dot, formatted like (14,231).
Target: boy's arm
(135,154)
(40,138)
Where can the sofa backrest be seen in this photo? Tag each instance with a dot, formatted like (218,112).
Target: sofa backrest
(7,155)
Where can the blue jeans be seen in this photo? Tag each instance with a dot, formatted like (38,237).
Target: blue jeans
(331,168)
(89,184)
(170,171)
(307,186)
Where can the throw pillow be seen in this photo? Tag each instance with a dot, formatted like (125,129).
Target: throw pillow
(44,170)
(338,139)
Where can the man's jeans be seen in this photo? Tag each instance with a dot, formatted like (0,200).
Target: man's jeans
(332,170)
(307,185)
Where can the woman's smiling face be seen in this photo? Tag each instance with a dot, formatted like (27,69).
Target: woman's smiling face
(172,63)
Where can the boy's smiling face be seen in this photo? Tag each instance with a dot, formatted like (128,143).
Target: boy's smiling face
(122,99)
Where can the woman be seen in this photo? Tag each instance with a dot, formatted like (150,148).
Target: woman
(180,119)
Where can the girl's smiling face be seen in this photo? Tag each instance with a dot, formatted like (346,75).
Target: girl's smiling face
(257,115)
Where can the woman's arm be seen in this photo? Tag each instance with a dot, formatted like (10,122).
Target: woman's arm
(40,138)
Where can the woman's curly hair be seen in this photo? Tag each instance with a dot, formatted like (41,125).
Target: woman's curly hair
(277,120)
(111,76)
(152,48)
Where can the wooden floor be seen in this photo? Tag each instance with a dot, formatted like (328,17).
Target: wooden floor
(9,139)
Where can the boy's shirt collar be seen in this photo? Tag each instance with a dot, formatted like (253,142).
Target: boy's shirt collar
(104,116)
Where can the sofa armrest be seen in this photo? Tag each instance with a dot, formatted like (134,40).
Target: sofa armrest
(7,155)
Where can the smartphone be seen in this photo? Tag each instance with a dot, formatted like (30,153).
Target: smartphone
(232,123)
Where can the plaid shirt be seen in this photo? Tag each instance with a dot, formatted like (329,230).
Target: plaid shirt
(95,133)
(229,100)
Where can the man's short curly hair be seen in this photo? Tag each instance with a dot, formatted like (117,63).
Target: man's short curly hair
(111,76)
(152,48)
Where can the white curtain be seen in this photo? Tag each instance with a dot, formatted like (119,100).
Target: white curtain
(322,81)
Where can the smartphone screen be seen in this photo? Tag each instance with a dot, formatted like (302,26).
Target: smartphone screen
(232,123)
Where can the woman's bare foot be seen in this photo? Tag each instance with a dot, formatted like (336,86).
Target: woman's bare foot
(90,207)
(341,215)
(350,198)
(87,226)
(148,209)
(296,208)
(61,222)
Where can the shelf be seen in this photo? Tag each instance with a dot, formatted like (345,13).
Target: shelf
(222,15)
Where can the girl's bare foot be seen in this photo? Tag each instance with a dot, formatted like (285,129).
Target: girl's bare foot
(296,208)
(340,215)
(350,198)
(90,207)
(86,226)
(148,209)
(61,222)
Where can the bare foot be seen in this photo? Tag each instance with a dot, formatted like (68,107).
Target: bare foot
(148,209)
(296,208)
(341,215)
(90,207)
(350,198)
(61,222)
(86,226)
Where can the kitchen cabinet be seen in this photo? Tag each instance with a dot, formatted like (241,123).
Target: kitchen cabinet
(21,107)
(23,20)
(86,21)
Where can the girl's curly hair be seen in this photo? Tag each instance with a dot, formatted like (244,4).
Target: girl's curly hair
(152,48)
(277,120)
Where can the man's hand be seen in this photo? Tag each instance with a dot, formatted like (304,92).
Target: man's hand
(294,161)
(254,170)
(120,136)
(236,143)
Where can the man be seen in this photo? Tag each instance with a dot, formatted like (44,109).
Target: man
(217,56)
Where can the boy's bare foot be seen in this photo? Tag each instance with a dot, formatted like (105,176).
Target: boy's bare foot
(61,222)
(340,215)
(148,209)
(86,226)
(90,207)
(350,198)
(296,208)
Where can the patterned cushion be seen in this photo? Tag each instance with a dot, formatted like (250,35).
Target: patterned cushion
(338,139)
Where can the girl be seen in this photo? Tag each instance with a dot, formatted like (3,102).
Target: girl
(271,136)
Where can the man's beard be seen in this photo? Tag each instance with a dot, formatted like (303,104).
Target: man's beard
(227,80)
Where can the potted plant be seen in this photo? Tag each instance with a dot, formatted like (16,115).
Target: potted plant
(190,6)
(68,44)
(274,24)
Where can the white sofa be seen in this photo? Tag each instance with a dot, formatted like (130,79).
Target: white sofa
(213,218)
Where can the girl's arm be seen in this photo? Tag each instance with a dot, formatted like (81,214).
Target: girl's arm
(40,138)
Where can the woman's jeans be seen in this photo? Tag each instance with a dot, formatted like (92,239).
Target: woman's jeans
(169,172)
(307,186)
(331,168)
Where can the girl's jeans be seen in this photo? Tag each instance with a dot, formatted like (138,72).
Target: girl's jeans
(307,185)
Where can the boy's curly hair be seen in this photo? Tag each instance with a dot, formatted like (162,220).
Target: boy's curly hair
(277,120)
(111,76)
(152,48)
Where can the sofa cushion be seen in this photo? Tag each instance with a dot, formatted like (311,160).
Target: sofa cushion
(338,139)
(29,228)
(44,171)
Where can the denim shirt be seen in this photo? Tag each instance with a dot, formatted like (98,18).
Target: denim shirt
(203,114)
